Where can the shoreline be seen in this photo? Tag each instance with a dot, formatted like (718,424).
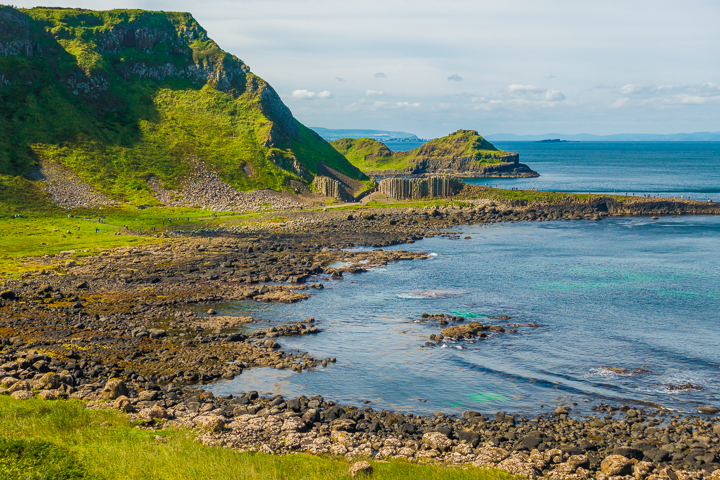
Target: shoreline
(120,315)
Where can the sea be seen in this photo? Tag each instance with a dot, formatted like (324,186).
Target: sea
(621,311)
(665,169)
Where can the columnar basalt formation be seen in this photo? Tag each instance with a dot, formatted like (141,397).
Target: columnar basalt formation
(410,189)
(332,188)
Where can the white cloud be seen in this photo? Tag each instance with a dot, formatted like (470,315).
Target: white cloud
(373,93)
(303,94)
(380,75)
(554,96)
(516,95)
(308,95)
(339,79)
(407,104)
(455,78)
(631,89)
(665,96)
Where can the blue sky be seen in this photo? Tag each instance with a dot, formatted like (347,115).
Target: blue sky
(517,66)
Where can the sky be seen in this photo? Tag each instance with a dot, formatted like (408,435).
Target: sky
(514,66)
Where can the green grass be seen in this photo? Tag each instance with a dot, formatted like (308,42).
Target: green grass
(370,155)
(63,440)
(126,128)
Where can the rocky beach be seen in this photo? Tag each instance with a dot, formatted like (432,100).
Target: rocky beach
(119,329)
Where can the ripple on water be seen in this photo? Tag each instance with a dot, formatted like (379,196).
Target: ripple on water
(622,293)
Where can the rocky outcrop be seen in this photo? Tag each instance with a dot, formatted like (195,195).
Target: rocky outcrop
(332,188)
(410,189)
(462,153)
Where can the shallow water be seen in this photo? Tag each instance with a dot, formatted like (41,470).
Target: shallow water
(668,169)
(623,293)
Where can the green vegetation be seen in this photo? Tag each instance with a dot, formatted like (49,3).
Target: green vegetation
(373,156)
(119,109)
(62,440)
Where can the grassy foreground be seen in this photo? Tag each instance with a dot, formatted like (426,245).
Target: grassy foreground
(64,441)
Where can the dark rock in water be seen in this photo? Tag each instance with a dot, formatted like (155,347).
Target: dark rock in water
(504,418)
(708,410)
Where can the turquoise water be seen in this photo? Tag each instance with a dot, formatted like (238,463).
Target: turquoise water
(622,293)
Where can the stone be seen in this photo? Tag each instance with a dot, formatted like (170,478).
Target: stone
(123,404)
(437,441)
(147,396)
(530,442)
(151,413)
(578,461)
(211,423)
(708,410)
(47,395)
(114,388)
(616,465)
(49,381)
(22,395)
(360,469)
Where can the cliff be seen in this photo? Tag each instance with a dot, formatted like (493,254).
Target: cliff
(462,153)
(125,98)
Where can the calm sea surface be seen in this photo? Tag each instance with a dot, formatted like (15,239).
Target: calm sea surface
(627,293)
(670,169)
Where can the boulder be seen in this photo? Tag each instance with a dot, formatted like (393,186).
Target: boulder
(437,441)
(151,413)
(210,423)
(123,404)
(22,395)
(114,388)
(708,410)
(616,465)
(361,469)
(49,381)
(47,395)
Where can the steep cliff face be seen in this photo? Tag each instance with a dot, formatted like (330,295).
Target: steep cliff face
(124,95)
(462,153)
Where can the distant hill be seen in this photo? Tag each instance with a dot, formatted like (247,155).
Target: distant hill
(336,134)
(462,153)
(121,98)
(620,137)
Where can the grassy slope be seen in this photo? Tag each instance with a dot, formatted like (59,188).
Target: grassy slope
(370,155)
(63,440)
(141,127)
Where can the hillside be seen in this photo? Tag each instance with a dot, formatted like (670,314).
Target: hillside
(462,153)
(131,104)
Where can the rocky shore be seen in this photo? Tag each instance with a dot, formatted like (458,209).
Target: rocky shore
(134,328)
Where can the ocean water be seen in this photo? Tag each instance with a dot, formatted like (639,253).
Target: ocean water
(628,293)
(668,169)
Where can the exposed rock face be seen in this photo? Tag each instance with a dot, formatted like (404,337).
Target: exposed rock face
(405,189)
(332,188)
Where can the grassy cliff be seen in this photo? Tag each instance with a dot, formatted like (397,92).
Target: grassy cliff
(123,96)
(464,152)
